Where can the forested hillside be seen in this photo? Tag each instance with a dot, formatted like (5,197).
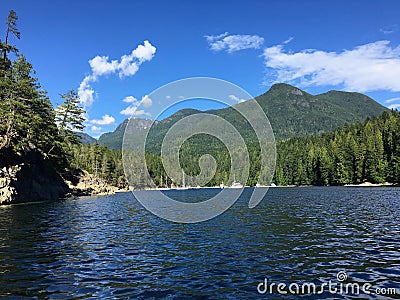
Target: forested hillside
(291,112)
(35,139)
(113,140)
(366,151)
(32,132)
(355,153)
(27,116)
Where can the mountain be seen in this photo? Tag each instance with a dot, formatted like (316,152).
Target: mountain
(113,140)
(291,112)
(85,138)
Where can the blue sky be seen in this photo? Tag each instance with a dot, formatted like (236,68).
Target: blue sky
(137,46)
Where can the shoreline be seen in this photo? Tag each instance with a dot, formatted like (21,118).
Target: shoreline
(79,193)
(369,184)
(91,185)
(364,184)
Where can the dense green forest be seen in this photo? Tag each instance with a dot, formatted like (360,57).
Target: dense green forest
(291,112)
(28,119)
(29,123)
(99,161)
(355,153)
(366,151)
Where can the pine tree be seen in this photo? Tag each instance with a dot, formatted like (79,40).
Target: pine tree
(70,116)
(26,110)
(6,47)
(27,114)
(375,163)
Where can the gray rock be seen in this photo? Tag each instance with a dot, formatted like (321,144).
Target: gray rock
(35,179)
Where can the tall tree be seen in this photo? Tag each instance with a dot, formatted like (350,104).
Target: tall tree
(6,47)
(26,110)
(70,116)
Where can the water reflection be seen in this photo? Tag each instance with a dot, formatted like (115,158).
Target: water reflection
(112,247)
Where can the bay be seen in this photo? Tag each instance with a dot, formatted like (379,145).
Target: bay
(111,247)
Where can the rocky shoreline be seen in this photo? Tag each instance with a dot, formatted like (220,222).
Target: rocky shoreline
(33,178)
(91,185)
(30,178)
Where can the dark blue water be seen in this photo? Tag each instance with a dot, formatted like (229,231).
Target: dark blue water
(111,247)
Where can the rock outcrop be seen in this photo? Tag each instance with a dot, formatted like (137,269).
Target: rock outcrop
(29,178)
(90,184)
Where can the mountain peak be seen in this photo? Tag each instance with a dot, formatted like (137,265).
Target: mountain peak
(114,139)
(286,88)
(291,111)
(85,138)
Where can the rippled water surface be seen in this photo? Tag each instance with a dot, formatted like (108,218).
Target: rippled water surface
(111,247)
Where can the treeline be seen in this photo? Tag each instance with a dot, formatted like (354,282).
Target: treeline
(99,161)
(29,123)
(356,153)
(27,116)
(366,151)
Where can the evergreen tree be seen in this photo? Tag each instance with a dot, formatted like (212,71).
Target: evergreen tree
(70,116)
(26,110)
(28,120)
(6,47)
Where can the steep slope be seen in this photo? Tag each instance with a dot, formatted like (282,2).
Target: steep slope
(291,111)
(113,140)
(85,138)
(157,132)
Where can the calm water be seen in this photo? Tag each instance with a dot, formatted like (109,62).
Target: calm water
(111,247)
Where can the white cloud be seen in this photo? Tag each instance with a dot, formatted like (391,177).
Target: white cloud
(212,38)
(146,101)
(129,64)
(237,99)
(232,43)
(141,112)
(391,100)
(144,52)
(95,128)
(130,99)
(374,66)
(394,106)
(85,92)
(127,67)
(167,97)
(129,111)
(132,109)
(288,40)
(105,120)
(101,65)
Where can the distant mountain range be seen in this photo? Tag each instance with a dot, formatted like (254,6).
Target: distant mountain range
(113,140)
(85,138)
(291,112)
